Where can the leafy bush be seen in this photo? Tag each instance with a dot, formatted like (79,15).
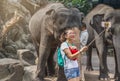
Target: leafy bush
(83,5)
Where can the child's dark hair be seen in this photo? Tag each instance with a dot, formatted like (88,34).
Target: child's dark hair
(83,25)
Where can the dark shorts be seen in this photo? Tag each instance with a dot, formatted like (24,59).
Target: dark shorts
(72,73)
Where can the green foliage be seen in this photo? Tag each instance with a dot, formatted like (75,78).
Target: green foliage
(83,5)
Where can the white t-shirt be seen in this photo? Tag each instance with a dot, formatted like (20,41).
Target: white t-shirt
(83,38)
(68,64)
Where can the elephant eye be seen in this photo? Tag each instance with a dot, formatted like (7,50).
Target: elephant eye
(61,21)
(109,18)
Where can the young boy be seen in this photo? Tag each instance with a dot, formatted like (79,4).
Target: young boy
(83,42)
(83,35)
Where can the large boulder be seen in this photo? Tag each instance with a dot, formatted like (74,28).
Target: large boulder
(26,57)
(29,74)
(17,35)
(11,70)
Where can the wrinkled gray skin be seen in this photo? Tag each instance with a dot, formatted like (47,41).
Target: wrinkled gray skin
(45,27)
(114,31)
(92,22)
(105,13)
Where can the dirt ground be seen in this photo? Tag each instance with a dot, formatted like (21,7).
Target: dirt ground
(93,74)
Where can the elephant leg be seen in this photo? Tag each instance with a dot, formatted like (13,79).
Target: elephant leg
(51,63)
(36,45)
(89,57)
(117,73)
(61,75)
(44,51)
(37,49)
(103,66)
(117,57)
(105,58)
(116,66)
(104,71)
(102,54)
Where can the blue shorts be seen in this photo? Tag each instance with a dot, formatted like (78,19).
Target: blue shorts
(72,73)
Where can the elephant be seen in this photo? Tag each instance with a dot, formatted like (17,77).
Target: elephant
(93,23)
(105,13)
(114,34)
(45,28)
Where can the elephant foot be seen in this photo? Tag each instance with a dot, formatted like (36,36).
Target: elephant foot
(117,77)
(51,73)
(104,77)
(89,68)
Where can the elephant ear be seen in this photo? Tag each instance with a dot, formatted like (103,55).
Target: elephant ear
(91,22)
(49,20)
(96,18)
(50,12)
(82,16)
(109,16)
(95,22)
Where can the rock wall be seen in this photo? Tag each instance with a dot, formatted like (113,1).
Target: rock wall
(18,36)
